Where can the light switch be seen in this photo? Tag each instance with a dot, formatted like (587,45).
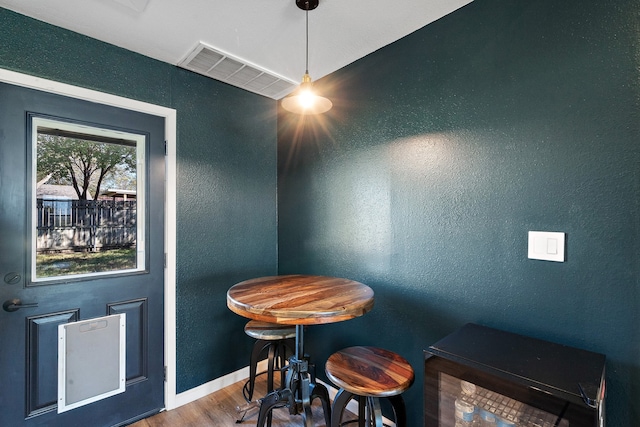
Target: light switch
(546,245)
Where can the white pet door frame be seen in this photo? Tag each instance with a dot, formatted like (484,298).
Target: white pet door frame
(91,360)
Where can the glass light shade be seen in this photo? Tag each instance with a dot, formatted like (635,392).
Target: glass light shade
(304,101)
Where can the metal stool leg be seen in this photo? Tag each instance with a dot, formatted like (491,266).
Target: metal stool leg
(399,410)
(362,412)
(374,412)
(339,404)
(272,400)
(271,363)
(258,347)
(369,410)
(319,391)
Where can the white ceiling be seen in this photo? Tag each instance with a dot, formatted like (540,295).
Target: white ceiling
(269,34)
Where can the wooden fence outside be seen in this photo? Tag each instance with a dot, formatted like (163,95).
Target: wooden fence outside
(85,225)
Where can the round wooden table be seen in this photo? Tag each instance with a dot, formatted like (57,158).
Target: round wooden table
(299,300)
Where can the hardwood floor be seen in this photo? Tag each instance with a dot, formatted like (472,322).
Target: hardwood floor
(219,410)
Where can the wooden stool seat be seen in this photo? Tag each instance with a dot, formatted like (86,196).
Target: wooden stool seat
(366,374)
(269,331)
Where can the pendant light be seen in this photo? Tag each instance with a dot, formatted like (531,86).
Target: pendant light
(304,100)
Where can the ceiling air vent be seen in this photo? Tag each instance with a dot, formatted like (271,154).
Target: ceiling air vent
(213,63)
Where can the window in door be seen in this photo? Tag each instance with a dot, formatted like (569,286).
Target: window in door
(88,200)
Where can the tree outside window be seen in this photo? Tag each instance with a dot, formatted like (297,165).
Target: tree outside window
(99,233)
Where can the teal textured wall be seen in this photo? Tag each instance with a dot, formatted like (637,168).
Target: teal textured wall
(226,183)
(444,149)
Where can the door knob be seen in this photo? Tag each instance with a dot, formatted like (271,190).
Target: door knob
(11,305)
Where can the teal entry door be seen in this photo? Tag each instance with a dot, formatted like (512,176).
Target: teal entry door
(81,237)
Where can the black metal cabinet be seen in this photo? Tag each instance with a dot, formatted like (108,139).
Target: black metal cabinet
(479,376)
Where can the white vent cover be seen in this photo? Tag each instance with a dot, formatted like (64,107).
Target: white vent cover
(213,63)
(137,5)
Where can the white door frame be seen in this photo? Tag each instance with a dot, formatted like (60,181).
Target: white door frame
(169,115)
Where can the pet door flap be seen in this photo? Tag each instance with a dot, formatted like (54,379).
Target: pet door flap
(91,360)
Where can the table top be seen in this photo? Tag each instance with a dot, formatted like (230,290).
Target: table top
(300,299)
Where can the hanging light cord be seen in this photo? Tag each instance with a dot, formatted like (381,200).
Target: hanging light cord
(307,16)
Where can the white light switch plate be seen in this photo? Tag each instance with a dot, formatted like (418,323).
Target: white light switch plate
(546,245)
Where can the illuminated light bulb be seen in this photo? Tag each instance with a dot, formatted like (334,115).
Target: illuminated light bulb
(304,101)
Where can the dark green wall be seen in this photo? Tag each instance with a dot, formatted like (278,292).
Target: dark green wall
(444,149)
(226,183)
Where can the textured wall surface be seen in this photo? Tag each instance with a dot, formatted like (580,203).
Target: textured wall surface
(227,229)
(226,183)
(444,149)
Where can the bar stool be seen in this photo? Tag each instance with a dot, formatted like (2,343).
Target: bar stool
(368,374)
(278,341)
